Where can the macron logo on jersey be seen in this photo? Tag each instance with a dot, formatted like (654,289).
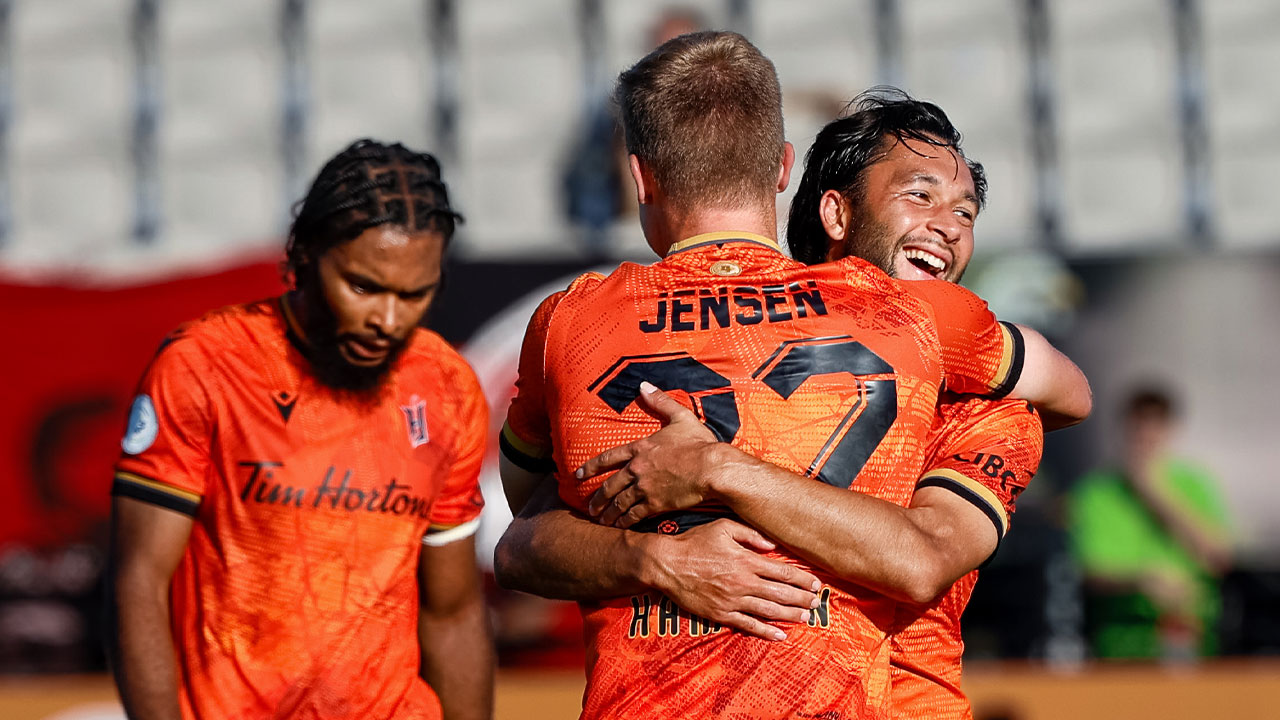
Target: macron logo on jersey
(415,416)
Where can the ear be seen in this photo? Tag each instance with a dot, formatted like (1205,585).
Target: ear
(643,179)
(788,162)
(836,216)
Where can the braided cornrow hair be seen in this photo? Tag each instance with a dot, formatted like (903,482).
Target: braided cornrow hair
(366,185)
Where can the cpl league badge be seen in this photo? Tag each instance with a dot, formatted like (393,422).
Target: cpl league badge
(415,415)
(143,426)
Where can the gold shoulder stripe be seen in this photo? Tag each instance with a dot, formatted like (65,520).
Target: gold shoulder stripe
(523,447)
(1006,358)
(129,477)
(947,476)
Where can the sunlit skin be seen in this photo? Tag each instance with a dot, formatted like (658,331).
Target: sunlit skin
(918,199)
(378,286)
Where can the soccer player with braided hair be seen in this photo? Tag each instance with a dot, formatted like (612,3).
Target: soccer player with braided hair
(296,498)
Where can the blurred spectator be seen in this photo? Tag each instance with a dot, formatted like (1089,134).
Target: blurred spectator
(596,180)
(1151,537)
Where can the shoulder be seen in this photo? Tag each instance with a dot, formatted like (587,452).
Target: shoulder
(941,295)
(588,281)
(429,356)
(217,333)
(857,272)
(978,409)
(581,289)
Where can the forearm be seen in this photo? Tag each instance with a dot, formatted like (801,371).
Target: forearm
(557,554)
(141,649)
(852,535)
(458,660)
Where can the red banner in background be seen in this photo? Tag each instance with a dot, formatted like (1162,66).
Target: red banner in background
(71,360)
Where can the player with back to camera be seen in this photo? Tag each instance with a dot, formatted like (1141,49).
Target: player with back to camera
(883,183)
(759,343)
(294,507)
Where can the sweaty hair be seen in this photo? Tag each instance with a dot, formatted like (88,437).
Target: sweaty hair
(704,113)
(366,185)
(841,153)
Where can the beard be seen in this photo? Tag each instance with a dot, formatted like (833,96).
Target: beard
(322,343)
(873,241)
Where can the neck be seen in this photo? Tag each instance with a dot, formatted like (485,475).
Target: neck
(666,227)
(297,307)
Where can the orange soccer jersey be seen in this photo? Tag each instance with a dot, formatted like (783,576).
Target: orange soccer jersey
(986,451)
(297,595)
(831,371)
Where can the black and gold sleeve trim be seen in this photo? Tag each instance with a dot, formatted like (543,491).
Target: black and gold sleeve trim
(524,455)
(979,495)
(155,492)
(1011,367)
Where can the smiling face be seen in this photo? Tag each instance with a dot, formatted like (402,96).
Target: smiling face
(913,217)
(362,299)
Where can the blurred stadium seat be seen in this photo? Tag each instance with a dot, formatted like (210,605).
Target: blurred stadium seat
(1114,68)
(1244,117)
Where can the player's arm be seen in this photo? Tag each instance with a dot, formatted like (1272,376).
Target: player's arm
(147,542)
(524,444)
(911,553)
(1052,382)
(521,471)
(157,491)
(453,630)
(996,359)
(714,570)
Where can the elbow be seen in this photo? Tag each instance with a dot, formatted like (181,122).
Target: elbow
(923,578)
(1082,405)
(513,557)
(924,586)
(1071,409)
(504,564)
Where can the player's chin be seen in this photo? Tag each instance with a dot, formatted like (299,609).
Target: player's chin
(337,369)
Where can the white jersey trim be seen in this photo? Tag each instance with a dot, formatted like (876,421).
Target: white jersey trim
(457,532)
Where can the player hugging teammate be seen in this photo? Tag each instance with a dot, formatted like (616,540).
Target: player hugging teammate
(790,540)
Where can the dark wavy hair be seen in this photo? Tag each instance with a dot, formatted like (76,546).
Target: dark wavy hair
(841,153)
(368,184)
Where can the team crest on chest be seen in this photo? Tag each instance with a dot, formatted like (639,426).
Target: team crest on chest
(415,417)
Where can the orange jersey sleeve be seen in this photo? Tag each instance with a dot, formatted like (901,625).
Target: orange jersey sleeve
(986,451)
(456,511)
(979,354)
(526,436)
(165,450)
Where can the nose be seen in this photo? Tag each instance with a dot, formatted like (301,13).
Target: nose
(385,315)
(946,225)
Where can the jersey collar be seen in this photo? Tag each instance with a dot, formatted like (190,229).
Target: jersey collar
(722,237)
